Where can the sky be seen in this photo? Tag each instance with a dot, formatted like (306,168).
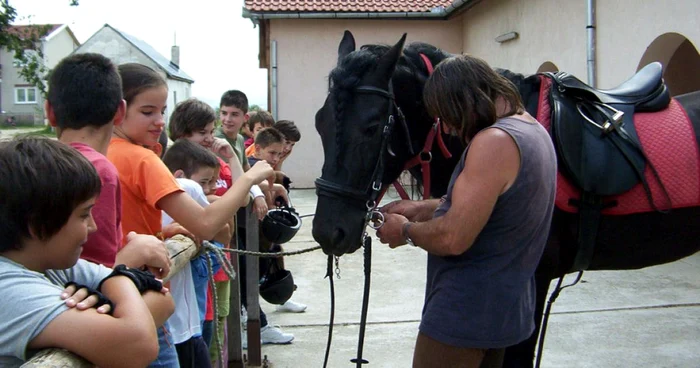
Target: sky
(218,47)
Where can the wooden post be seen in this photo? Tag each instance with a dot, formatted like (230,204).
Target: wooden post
(252,289)
(181,250)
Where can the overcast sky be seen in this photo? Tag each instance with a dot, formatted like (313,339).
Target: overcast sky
(218,47)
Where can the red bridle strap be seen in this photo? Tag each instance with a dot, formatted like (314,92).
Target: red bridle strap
(424,157)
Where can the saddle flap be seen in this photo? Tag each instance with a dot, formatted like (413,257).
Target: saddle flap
(598,162)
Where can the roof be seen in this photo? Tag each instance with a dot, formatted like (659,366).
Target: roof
(26,31)
(172,70)
(350,6)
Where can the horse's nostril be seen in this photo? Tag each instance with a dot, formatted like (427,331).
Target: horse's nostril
(338,236)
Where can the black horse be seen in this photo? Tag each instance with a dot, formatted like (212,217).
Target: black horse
(367,142)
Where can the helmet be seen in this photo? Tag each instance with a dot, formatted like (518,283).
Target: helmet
(278,287)
(280,225)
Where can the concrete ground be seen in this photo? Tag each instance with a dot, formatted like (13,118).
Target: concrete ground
(645,318)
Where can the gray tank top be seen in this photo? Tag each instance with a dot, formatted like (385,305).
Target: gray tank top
(485,297)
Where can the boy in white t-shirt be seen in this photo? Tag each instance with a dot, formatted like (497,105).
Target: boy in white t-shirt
(194,169)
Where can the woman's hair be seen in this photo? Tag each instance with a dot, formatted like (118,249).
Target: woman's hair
(137,78)
(463,91)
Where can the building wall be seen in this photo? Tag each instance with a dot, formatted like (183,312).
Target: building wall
(555,31)
(178,91)
(55,48)
(306,53)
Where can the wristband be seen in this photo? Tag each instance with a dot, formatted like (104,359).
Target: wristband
(143,280)
(256,192)
(101,299)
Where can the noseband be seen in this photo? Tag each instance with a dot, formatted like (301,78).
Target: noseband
(371,194)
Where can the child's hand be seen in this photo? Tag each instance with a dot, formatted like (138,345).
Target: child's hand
(222,148)
(145,250)
(260,207)
(260,171)
(82,298)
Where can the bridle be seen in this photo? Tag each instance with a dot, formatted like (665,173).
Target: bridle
(371,194)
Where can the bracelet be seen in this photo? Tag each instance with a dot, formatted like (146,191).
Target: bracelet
(256,192)
(406,237)
(143,280)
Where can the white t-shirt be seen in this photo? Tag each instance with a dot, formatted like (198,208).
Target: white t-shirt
(31,300)
(184,323)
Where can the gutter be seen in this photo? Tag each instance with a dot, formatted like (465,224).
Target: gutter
(439,12)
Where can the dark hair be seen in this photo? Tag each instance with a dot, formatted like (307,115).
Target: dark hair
(288,129)
(463,91)
(137,78)
(235,98)
(188,157)
(189,116)
(268,136)
(42,181)
(84,90)
(263,117)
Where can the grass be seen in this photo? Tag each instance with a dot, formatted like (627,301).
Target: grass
(45,131)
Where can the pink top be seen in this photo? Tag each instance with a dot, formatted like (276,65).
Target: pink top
(103,244)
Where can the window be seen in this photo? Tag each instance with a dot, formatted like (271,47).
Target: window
(25,95)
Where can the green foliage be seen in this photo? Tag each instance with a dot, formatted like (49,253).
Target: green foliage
(26,47)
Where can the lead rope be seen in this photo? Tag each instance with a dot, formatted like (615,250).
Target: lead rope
(329,275)
(365,301)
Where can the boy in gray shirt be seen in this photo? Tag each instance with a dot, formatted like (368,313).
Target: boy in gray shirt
(47,190)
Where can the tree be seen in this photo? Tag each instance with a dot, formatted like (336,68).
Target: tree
(25,45)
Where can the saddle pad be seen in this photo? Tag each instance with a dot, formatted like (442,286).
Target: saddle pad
(668,139)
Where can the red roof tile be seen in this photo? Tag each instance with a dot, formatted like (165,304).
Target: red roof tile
(371,6)
(33,29)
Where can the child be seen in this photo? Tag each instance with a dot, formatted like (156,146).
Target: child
(194,120)
(43,224)
(84,118)
(269,145)
(258,121)
(194,168)
(147,185)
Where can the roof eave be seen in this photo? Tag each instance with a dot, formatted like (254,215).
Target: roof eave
(436,14)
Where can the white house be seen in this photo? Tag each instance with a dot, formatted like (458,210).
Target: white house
(123,48)
(19,99)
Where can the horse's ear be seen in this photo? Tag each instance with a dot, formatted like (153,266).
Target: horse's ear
(347,45)
(388,62)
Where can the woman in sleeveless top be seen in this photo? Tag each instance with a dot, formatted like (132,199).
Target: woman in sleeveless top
(485,237)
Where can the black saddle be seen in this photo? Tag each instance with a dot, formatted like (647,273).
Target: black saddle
(593,130)
(645,90)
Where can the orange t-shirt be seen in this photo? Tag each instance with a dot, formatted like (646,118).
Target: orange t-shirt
(144,181)
(250,151)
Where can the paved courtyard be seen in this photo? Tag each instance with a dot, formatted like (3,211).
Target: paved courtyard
(645,318)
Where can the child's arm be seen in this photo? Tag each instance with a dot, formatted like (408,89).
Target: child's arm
(224,235)
(127,339)
(204,223)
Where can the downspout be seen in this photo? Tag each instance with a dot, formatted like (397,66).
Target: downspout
(590,30)
(273,78)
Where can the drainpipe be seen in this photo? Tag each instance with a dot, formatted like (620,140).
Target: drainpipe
(273,79)
(590,30)
(436,12)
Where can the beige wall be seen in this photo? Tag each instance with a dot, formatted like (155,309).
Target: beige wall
(57,47)
(307,51)
(552,30)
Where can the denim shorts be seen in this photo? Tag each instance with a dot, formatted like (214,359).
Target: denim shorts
(167,354)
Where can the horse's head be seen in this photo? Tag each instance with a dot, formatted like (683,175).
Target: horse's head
(361,131)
